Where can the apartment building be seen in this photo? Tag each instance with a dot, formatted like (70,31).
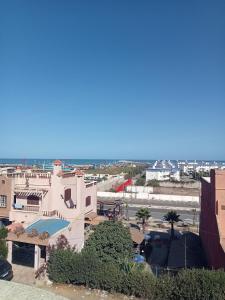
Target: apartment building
(212,218)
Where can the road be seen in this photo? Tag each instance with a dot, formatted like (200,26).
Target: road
(158,213)
(159,209)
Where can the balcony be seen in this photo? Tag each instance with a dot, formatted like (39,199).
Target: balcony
(26,208)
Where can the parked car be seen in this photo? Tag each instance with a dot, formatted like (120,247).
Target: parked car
(6,272)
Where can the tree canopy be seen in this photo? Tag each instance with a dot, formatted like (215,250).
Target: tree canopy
(111,241)
(143,214)
(172,217)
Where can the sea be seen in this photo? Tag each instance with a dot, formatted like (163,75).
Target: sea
(73,162)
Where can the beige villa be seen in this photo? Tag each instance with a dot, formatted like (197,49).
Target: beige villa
(42,206)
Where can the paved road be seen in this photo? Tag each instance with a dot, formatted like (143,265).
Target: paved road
(158,211)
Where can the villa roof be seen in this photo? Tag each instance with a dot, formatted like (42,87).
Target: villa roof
(52,226)
(57,162)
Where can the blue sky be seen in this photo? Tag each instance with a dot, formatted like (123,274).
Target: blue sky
(112,79)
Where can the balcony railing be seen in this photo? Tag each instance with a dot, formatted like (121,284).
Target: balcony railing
(31,208)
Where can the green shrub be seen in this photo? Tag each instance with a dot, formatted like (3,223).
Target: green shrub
(193,284)
(60,265)
(164,288)
(139,283)
(109,277)
(3,249)
(111,242)
(3,245)
(85,267)
(153,183)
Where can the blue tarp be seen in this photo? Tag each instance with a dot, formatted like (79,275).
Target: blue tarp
(139,258)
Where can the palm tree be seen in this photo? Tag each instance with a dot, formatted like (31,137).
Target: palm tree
(172,217)
(143,214)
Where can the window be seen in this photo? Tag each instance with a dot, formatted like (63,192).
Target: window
(67,195)
(32,200)
(88,200)
(3,201)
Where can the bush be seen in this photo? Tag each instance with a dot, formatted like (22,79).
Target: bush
(193,284)
(139,283)
(111,242)
(140,181)
(60,265)
(3,245)
(61,259)
(153,183)
(84,269)
(109,277)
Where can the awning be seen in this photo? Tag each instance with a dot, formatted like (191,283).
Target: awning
(26,193)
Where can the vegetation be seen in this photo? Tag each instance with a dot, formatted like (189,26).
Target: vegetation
(3,245)
(196,284)
(153,183)
(129,170)
(172,217)
(90,269)
(143,214)
(111,242)
(141,180)
(66,266)
(200,174)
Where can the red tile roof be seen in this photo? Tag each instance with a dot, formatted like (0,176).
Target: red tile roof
(57,163)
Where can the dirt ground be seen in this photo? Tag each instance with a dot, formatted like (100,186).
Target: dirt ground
(176,191)
(26,275)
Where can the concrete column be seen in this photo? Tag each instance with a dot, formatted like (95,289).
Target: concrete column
(9,258)
(37,256)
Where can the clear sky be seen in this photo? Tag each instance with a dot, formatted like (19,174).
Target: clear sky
(112,79)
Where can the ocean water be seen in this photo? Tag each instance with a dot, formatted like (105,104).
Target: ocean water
(95,162)
(41,162)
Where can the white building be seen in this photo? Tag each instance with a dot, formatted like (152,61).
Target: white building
(162,174)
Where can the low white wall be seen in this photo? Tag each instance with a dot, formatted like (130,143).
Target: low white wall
(139,189)
(147,196)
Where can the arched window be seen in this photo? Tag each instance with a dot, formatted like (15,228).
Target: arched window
(88,200)
(32,200)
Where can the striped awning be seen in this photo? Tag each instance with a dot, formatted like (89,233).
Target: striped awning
(27,193)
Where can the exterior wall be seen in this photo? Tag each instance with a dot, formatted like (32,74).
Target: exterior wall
(6,189)
(90,190)
(53,200)
(139,189)
(147,196)
(160,175)
(212,229)
(52,203)
(74,234)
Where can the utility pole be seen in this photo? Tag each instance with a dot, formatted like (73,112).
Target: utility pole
(185,252)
